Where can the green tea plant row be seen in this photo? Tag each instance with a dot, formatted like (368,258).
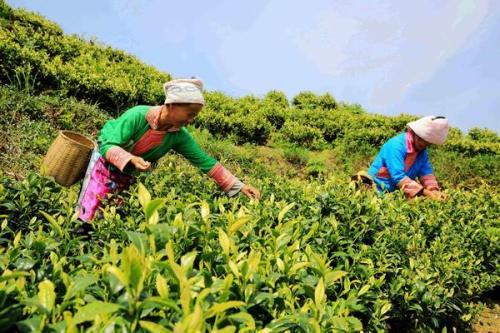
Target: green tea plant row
(36,54)
(30,122)
(309,257)
(314,126)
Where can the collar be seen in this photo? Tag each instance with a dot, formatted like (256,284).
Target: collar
(410,142)
(153,119)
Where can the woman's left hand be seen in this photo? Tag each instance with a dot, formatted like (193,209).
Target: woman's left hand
(250,192)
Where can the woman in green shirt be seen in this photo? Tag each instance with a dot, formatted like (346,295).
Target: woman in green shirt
(142,135)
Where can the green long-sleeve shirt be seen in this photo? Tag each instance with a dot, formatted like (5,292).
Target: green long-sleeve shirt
(127,129)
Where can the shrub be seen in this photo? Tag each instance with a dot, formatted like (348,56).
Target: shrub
(276,98)
(309,100)
(310,256)
(302,135)
(296,155)
(483,135)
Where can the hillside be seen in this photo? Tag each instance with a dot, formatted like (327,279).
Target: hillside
(313,255)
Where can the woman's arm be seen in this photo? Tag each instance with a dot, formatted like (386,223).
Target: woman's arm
(426,175)
(189,148)
(395,161)
(117,133)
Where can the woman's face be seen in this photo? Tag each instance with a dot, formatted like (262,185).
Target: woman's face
(179,115)
(420,144)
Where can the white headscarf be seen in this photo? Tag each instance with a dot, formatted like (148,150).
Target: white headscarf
(184,91)
(432,129)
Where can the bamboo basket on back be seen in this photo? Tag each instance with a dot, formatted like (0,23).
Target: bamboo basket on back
(67,158)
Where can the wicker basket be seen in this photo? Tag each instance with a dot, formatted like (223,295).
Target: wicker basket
(67,158)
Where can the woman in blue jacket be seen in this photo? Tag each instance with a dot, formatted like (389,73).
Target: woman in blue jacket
(404,158)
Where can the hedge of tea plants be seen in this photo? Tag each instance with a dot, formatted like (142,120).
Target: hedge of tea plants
(37,56)
(36,53)
(309,257)
(30,122)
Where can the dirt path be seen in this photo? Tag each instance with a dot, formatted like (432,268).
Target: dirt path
(489,320)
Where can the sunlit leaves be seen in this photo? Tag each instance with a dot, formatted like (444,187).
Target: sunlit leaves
(225,242)
(162,286)
(46,295)
(319,293)
(90,311)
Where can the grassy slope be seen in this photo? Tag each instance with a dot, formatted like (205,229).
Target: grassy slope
(30,122)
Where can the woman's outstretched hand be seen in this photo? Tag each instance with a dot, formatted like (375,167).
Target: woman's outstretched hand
(250,192)
(140,164)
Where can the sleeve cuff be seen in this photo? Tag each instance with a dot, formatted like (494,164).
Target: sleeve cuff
(235,189)
(225,179)
(118,156)
(429,182)
(410,187)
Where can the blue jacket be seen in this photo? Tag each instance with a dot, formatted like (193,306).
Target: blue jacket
(396,160)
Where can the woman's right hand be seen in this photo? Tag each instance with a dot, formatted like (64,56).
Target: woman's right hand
(251,192)
(140,164)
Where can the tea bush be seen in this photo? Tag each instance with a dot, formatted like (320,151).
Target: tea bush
(308,257)
(302,135)
(30,122)
(37,55)
(309,100)
(72,65)
(483,135)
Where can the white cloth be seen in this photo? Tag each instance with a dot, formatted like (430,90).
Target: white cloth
(93,159)
(235,189)
(184,91)
(430,128)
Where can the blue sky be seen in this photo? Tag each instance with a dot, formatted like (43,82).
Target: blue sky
(421,57)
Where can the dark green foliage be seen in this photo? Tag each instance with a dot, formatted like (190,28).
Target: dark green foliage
(302,134)
(483,135)
(37,48)
(337,257)
(277,98)
(308,100)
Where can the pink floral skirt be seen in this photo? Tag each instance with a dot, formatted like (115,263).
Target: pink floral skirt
(99,183)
